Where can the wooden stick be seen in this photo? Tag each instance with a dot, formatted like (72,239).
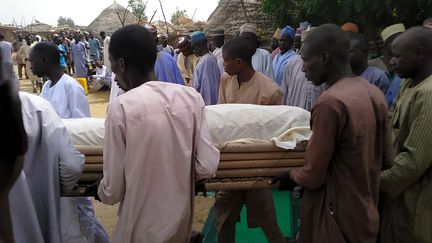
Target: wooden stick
(252,172)
(91,168)
(256,147)
(238,185)
(261,155)
(250,164)
(94,159)
(90,150)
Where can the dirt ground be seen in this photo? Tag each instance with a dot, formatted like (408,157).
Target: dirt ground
(106,214)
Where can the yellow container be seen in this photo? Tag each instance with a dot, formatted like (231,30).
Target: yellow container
(83,83)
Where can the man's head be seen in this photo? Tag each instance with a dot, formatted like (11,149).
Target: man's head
(20,38)
(250,34)
(132,51)
(199,43)
(412,51)
(1,37)
(44,57)
(102,35)
(49,38)
(163,39)
(58,40)
(28,41)
(91,36)
(218,37)
(98,64)
(237,54)
(388,35)
(325,48)
(184,46)
(275,39)
(77,38)
(359,50)
(286,40)
(153,31)
(428,23)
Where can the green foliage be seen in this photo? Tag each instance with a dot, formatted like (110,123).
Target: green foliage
(138,8)
(371,15)
(64,21)
(178,15)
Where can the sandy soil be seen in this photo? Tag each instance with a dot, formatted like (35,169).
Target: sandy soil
(106,214)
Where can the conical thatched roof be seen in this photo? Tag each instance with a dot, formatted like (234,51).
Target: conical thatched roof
(109,19)
(229,15)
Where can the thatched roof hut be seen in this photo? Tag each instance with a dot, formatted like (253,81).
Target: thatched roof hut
(230,15)
(110,19)
(37,27)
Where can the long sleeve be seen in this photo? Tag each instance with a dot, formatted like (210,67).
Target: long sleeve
(112,188)
(326,118)
(269,63)
(77,102)
(415,158)
(285,86)
(207,156)
(71,161)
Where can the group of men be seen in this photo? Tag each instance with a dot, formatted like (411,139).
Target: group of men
(157,144)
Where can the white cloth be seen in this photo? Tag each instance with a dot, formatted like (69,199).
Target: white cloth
(285,125)
(51,164)
(262,62)
(238,121)
(106,60)
(218,54)
(154,148)
(102,77)
(67,97)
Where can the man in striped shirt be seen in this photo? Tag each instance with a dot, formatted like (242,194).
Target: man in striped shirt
(407,215)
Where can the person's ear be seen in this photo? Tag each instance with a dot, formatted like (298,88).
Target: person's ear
(122,64)
(325,57)
(420,50)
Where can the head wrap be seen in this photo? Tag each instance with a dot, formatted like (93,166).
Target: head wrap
(250,28)
(350,27)
(288,31)
(392,30)
(197,36)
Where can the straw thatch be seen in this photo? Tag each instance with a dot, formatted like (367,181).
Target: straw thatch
(229,15)
(109,21)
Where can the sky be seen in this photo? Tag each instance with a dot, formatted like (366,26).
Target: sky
(83,12)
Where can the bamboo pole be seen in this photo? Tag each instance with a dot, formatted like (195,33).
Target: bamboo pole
(256,147)
(251,164)
(239,185)
(93,168)
(94,159)
(261,155)
(163,14)
(90,150)
(237,173)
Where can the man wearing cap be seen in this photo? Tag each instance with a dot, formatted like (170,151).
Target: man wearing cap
(388,35)
(218,39)
(206,76)
(164,44)
(275,43)
(261,60)
(166,66)
(286,52)
(297,89)
(186,60)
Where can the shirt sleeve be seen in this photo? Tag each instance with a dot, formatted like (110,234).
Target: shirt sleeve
(321,146)
(276,98)
(207,156)
(112,187)
(410,164)
(77,102)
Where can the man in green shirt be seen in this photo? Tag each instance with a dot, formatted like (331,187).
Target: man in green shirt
(407,184)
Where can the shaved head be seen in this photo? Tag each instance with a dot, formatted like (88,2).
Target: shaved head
(412,51)
(324,50)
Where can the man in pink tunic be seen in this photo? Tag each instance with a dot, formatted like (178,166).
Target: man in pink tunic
(156,146)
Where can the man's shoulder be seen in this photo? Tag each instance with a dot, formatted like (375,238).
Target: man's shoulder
(32,103)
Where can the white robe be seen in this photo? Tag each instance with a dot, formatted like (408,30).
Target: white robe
(154,148)
(51,164)
(262,62)
(67,97)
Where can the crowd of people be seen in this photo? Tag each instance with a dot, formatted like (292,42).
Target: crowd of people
(367,175)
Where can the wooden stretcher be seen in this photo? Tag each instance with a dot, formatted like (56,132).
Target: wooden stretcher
(241,166)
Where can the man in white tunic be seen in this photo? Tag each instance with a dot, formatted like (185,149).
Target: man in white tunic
(68,99)
(156,146)
(51,164)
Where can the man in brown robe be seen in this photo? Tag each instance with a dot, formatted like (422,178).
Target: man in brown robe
(242,84)
(350,142)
